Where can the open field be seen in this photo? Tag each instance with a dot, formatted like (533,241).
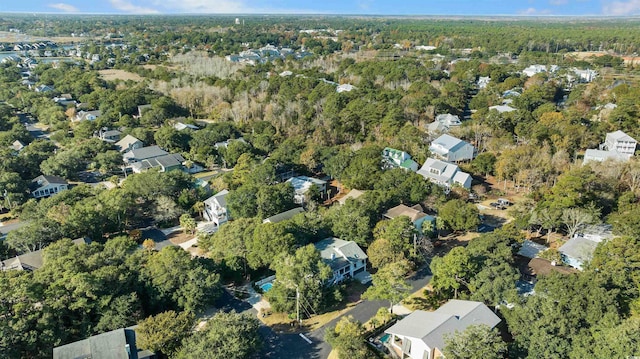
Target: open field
(114,75)
(12,37)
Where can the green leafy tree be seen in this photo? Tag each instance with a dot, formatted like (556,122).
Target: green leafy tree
(304,270)
(458,215)
(188,223)
(269,240)
(393,242)
(274,199)
(389,284)
(164,332)
(177,281)
(347,338)
(484,163)
(475,342)
(226,335)
(243,202)
(452,271)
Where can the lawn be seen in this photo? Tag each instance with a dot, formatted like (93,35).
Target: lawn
(282,322)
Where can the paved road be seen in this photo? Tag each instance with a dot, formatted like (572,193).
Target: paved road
(292,346)
(362,313)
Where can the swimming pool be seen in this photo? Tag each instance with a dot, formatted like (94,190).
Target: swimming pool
(266,286)
(385,338)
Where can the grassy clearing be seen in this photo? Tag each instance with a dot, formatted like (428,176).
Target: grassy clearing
(116,75)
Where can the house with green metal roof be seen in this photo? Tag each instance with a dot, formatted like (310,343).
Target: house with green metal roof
(392,158)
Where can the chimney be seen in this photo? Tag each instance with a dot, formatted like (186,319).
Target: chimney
(333,256)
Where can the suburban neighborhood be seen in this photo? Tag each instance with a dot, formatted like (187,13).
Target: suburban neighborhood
(318,186)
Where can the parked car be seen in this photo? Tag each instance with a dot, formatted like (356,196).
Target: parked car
(504,202)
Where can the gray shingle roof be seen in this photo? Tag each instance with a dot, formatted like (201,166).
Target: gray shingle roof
(219,197)
(145,153)
(284,215)
(116,344)
(431,327)
(579,248)
(127,141)
(338,253)
(44,180)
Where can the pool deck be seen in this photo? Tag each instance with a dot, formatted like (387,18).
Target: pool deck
(256,300)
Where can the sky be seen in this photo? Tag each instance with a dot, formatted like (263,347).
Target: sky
(355,7)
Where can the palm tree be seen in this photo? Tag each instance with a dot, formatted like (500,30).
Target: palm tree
(199,207)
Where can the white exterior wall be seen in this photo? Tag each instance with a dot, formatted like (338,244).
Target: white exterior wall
(418,347)
(628,147)
(462,154)
(216,214)
(49,190)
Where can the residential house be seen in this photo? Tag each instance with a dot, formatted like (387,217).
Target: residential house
(32,260)
(142,109)
(302,184)
(578,250)
(502,108)
(592,155)
(64,100)
(143,153)
(345,258)
(620,142)
(354,194)
(284,216)
(166,163)
(225,144)
(215,208)
(443,123)
(392,158)
(108,135)
(183,126)
(44,88)
(116,344)
(483,81)
(45,186)
(452,149)
(444,173)
(530,249)
(587,75)
(534,69)
(87,115)
(415,214)
(129,143)
(345,88)
(17,145)
(421,334)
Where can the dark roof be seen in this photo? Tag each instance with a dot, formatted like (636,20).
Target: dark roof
(44,180)
(539,266)
(32,260)
(116,344)
(145,153)
(284,215)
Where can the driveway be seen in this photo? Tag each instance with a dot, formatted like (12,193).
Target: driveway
(362,313)
(291,345)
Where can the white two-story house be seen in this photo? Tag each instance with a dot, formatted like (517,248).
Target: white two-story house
(421,334)
(620,142)
(444,174)
(345,258)
(45,186)
(215,208)
(452,149)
